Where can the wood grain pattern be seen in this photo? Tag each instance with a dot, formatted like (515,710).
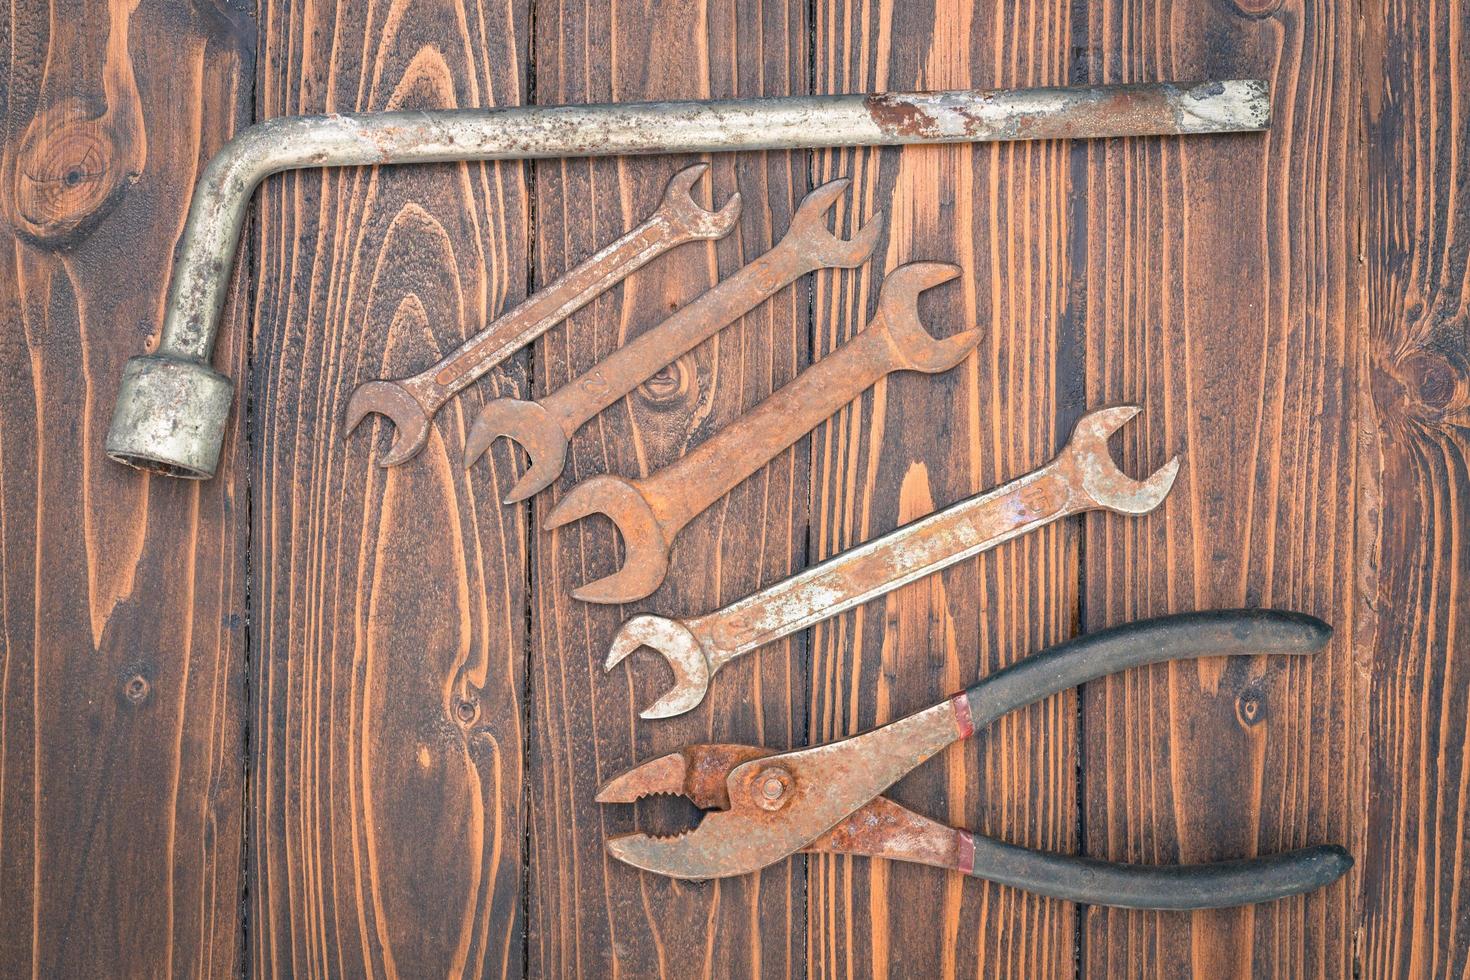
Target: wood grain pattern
(917,442)
(1417,219)
(387,750)
(121,597)
(1222,292)
(590,915)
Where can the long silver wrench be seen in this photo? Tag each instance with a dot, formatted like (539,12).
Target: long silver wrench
(412,403)
(650,512)
(1080,478)
(543,427)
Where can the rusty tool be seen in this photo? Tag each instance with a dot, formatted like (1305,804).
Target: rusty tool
(543,427)
(172,406)
(1080,478)
(762,806)
(650,512)
(411,403)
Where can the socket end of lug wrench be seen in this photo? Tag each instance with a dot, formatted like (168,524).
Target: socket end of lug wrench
(679,647)
(646,552)
(170,416)
(532,427)
(410,421)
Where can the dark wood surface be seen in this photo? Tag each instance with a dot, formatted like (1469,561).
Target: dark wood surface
(319,718)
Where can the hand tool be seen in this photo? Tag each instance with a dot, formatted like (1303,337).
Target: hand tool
(172,406)
(543,428)
(650,512)
(411,403)
(1080,478)
(762,806)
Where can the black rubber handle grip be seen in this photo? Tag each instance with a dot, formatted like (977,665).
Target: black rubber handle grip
(1227,632)
(1143,886)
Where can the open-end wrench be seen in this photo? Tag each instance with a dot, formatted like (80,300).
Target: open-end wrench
(651,511)
(543,427)
(411,403)
(1081,477)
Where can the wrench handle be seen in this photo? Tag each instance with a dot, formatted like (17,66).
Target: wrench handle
(544,309)
(579,401)
(881,565)
(718,465)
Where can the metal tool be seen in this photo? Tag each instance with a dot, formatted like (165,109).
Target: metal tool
(543,428)
(411,403)
(762,806)
(1080,478)
(172,406)
(650,512)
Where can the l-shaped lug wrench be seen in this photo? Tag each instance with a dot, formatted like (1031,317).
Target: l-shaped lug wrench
(172,407)
(762,806)
(411,403)
(543,427)
(650,512)
(1080,478)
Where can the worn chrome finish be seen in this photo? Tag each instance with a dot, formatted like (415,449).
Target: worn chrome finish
(650,512)
(147,413)
(543,427)
(762,806)
(411,403)
(1081,477)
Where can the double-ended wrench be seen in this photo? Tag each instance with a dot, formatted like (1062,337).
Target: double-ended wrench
(172,407)
(650,512)
(411,403)
(543,427)
(1080,478)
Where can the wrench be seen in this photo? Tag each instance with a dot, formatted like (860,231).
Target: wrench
(411,403)
(1080,478)
(543,428)
(651,511)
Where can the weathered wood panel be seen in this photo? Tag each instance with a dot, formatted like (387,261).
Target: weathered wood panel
(918,442)
(1417,581)
(121,596)
(387,748)
(1222,292)
(590,915)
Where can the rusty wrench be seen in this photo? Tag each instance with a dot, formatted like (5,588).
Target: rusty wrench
(651,511)
(543,427)
(1080,478)
(411,403)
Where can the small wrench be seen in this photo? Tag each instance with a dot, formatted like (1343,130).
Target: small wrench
(543,427)
(411,403)
(650,512)
(1080,478)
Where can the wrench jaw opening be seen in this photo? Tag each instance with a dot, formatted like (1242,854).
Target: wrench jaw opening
(531,426)
(826,250)
(1102,481)
(410,421)
(898,308)
(646,551)
(688,215)
(679,647)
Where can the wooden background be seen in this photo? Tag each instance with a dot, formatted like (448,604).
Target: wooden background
(317,718)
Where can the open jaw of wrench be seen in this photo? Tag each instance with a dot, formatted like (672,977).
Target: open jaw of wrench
(650,512)
(1080,478)
(411,403)
(543,427)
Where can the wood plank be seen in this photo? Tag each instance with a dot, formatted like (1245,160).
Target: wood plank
(121,595)
(590,915)
(1222,293)
(917,442)
(385,829)
(1417,579)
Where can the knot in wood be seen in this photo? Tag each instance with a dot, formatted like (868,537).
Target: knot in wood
(672,386)
(67,174)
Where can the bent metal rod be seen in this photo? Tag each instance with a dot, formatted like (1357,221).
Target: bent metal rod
(172,406)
